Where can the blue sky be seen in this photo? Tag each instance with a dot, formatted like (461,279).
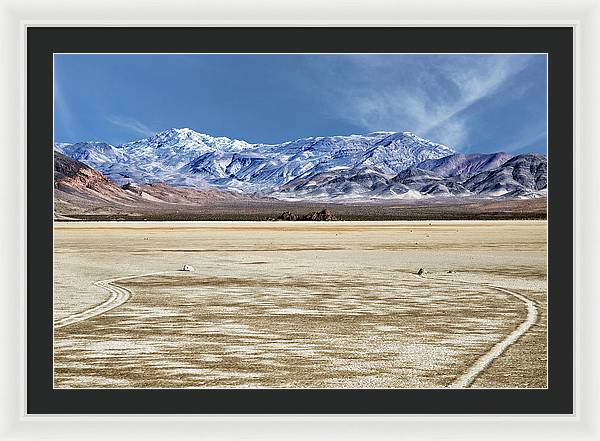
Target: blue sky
(474,103)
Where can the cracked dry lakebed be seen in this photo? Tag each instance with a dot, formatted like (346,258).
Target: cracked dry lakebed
(300,305)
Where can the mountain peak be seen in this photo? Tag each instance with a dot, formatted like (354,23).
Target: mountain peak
(179,133)
(378,133)
(416,137)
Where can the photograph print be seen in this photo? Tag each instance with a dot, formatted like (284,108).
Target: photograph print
(300,221)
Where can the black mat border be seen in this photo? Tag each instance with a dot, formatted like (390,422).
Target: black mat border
(42,42)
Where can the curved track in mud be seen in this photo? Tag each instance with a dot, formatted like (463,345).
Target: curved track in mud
(470,375)
(118,296)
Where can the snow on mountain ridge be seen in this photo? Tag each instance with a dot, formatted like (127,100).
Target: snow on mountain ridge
(399,151)
(183,157)
(189,138)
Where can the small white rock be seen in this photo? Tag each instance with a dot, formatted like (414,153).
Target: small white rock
(188,268)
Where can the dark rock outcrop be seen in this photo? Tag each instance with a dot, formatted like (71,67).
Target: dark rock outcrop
(287,216)
(323,215)
(134,188)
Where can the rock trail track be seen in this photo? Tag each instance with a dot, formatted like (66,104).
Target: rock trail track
(118,296)
(467,378)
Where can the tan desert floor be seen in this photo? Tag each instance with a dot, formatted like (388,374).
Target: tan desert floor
(299,305)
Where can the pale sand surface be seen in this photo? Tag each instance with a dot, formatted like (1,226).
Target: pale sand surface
(299,304)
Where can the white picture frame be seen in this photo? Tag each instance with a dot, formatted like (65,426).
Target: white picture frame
(16,16)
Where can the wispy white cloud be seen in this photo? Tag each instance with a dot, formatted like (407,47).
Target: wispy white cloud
(451,123)
(131,124)
(429,98)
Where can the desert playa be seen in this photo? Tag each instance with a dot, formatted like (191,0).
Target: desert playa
(300,304)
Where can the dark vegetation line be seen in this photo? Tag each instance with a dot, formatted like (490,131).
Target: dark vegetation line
(236,216)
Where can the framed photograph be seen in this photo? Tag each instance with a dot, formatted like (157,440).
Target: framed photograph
(338,230)
(319,251)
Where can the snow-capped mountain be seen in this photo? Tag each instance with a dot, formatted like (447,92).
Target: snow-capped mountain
(183,157)
(379,165)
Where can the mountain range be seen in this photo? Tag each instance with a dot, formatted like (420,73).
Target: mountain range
(375,166)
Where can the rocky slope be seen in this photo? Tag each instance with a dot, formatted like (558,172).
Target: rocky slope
(524,176)
(80,189)
(517,177)
(459,164)
(74,178)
